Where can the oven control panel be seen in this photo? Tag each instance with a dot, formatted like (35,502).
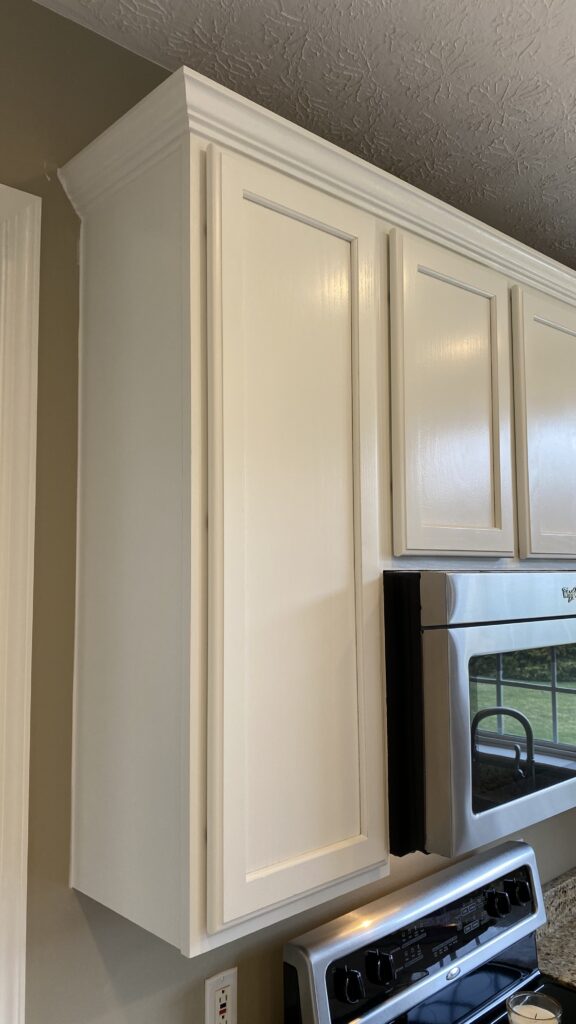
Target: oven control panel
(431,945)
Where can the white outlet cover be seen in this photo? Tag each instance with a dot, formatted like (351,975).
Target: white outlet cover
(227,979)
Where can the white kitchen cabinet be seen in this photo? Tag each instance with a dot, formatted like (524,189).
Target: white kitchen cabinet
(229,763)
(296,768)
(451,402)
(545,406)
(234,511)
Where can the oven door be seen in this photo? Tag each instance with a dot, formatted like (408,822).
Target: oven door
(500,729)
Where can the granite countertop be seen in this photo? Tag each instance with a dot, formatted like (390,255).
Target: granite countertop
(557,939)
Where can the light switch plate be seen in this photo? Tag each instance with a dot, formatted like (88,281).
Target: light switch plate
(221,997)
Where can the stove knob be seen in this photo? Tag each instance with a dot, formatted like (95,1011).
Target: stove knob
(380,968)
(348,985)
(524,892)
(518,890)
(497,903)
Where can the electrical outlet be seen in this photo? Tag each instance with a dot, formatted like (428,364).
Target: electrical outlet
(220,997)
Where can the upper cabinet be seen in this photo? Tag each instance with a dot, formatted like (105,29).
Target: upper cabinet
(234,508)
(545,401)
(450,402)
(229,727)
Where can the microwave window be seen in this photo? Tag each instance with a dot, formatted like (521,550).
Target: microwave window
(522,723)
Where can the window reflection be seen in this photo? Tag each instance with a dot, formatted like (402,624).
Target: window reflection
(528,745)
(528,681)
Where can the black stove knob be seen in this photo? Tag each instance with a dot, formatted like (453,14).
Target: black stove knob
(497,903)
(380,968)
(524,892)
(518,889)
(348,985)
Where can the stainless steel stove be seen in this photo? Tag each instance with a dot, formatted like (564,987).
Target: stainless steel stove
(449,949)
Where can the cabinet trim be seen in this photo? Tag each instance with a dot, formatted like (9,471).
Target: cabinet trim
(520,422)
(19,281)
(190,103)
(397,388)
(215,747)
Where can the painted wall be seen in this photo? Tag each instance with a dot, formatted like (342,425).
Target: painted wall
(59,87)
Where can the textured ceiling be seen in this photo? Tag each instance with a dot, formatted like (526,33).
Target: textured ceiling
(471,100)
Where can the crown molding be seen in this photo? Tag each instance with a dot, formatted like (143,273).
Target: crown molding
(188,103)
(19,277)
(145,134)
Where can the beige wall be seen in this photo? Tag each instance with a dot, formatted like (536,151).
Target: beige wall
(59,87)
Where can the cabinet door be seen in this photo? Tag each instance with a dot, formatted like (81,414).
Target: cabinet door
(451,454)
(295,734)
(545,407)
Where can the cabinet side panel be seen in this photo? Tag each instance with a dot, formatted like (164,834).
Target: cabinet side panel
(133,570)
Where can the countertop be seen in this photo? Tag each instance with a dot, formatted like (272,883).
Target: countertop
(557,939)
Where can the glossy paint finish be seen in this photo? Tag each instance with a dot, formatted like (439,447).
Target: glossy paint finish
(295,714)
(450,402)
(141,191)
(545,369)
(173,468)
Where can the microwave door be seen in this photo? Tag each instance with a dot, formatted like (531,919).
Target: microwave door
(500,729)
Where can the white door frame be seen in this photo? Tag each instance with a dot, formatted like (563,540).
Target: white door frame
(19,274)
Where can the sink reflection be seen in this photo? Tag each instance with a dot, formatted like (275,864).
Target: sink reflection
(494,782)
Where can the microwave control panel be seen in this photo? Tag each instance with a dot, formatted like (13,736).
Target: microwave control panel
(434,944)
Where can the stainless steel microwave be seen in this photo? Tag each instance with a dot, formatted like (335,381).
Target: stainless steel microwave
(481,704)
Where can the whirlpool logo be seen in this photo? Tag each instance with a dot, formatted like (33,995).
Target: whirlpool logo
(569,593)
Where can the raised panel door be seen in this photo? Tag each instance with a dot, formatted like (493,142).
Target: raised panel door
(295,735)
(545,411)
(452,477)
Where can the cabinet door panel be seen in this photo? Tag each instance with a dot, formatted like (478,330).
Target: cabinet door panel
(545,372)
(296,796)
(450,403)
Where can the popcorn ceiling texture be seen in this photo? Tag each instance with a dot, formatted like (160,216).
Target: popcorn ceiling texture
(473,101)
